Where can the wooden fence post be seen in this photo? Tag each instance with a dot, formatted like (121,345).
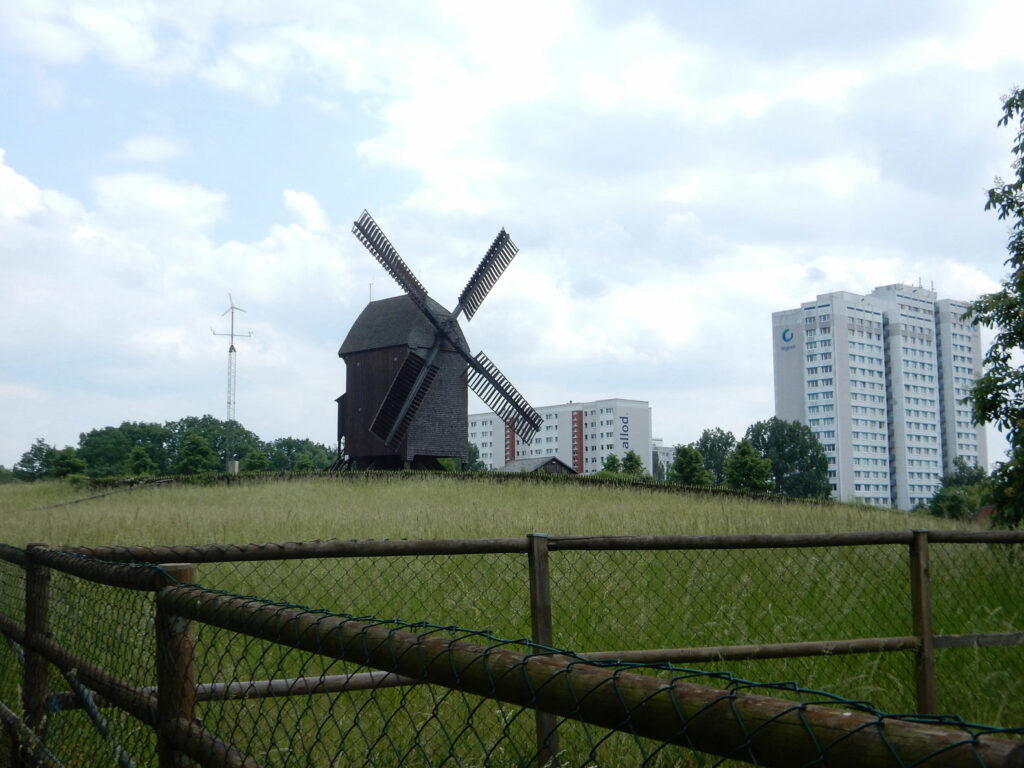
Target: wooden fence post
(37,627)
(921,601)
(541,633)
(11,746)
(175,670)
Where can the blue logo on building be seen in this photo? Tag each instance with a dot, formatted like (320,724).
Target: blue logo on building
(787,335)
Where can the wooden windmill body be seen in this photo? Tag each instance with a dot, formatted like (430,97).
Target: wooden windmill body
(409,369)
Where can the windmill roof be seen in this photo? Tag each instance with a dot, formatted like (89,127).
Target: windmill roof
(398,322)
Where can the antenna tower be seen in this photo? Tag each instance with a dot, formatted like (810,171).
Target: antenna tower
(232,367)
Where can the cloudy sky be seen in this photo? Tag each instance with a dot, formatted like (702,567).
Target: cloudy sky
(672,173)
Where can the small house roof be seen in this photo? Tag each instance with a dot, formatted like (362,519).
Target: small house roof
(532,465)
(398,322)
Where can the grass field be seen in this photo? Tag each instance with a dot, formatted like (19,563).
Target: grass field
(601,600)
(432,507)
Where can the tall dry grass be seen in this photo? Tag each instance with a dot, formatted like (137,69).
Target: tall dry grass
(405,508)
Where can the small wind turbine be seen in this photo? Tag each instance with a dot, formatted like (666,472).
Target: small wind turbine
(232,370)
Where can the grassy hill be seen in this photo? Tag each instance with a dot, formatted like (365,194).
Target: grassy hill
(399,507)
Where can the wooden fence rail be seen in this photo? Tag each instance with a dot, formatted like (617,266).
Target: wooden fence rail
(923,641)
(766,730)
(170,707)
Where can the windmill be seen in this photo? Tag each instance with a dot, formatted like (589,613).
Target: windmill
(408,368)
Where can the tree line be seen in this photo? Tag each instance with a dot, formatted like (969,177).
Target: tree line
(187,446)
(774,455)
(787,458)
(630,465)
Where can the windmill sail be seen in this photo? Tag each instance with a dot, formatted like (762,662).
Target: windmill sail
(494,262)
(377,243)
(407,392)
(497,392)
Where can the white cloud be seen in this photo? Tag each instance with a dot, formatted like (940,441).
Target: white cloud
(151,149)
(995,35)
(767,87)
(257,67)
(122,31)
(840,176)
(40,29)
(150,201)
(19,197)
(159,38)
(306,209)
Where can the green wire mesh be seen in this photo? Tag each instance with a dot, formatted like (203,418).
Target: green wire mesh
(601,601)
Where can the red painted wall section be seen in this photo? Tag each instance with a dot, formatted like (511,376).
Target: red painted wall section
(577,441)
(510,440)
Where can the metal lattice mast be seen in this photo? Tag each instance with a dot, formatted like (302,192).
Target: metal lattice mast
(232,368)
(231,383)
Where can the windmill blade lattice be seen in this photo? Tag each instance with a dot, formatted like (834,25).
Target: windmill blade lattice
(403,389)
(377,243)
(494,262)
(491,386)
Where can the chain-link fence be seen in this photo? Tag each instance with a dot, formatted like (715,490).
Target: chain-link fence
(121,664)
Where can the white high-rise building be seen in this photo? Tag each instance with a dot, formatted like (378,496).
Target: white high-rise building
(579,434)
(878,379)
(666,453)
(959,365)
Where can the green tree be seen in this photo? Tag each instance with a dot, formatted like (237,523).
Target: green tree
(140,463)
(997,396)
(957,502)
(965,473)
(799,463)
(688,468)
(473,462)
(238,441)
(632,464)
(6,475)
(35,462)
(716,445)
(747,470)
(218,434)
(284,454)
(611,464)
(304,461)
(155,439)
(1007,489)
(195,455)
(963,492)
(66,462)
(104,451)
(256,461)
